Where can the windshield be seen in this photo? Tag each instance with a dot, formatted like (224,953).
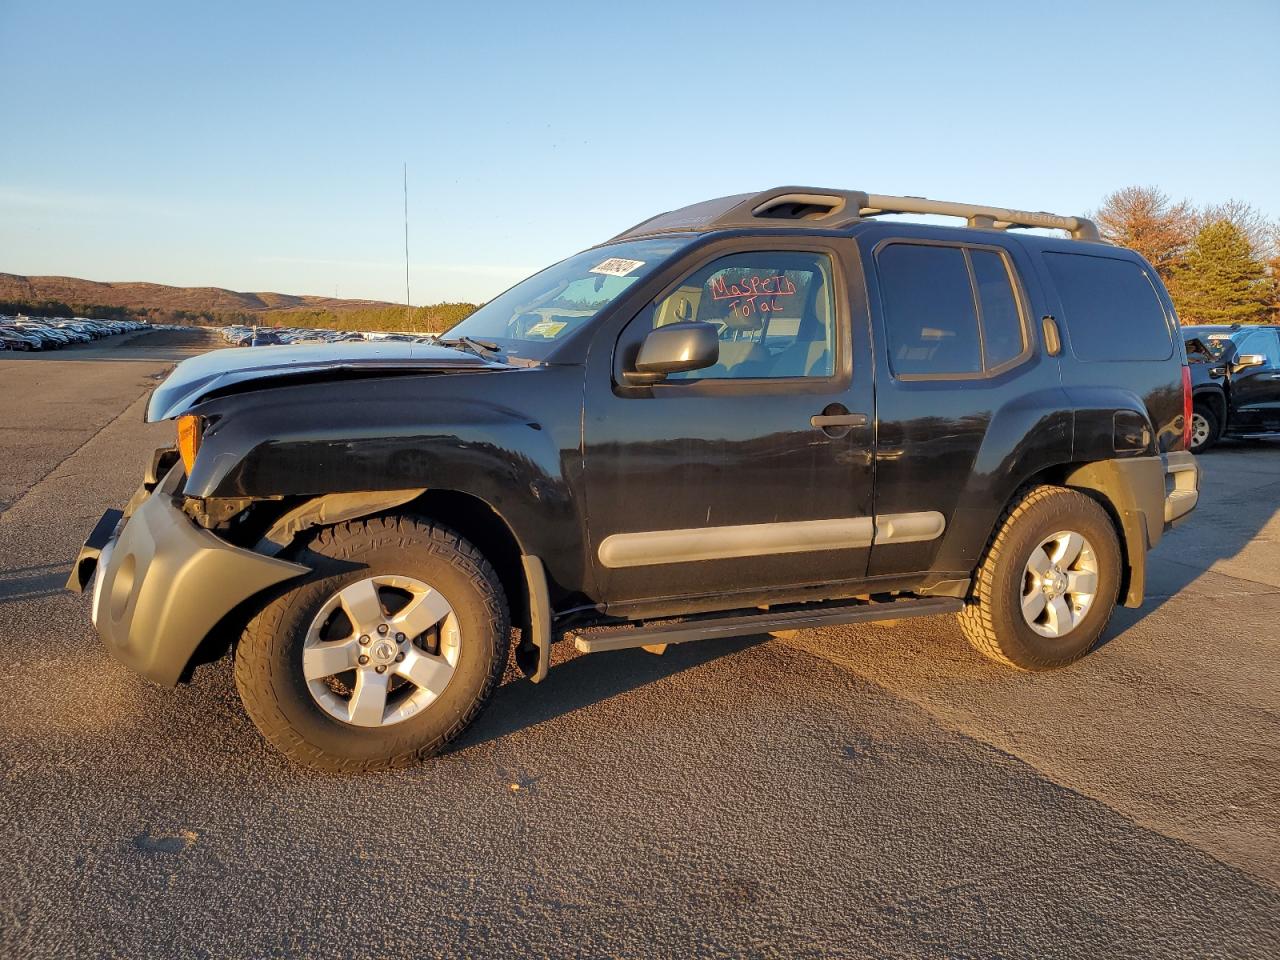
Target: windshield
(536,314)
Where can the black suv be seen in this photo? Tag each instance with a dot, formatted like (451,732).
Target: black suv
(1235,381)
(755,414)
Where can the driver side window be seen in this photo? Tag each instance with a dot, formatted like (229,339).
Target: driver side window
(1263,342)
(775,313)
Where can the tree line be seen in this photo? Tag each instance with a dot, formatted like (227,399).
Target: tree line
(1221,263)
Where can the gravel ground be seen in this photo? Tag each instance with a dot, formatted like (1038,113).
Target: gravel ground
(869,791)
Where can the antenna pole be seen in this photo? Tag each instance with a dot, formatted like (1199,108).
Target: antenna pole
(408,311)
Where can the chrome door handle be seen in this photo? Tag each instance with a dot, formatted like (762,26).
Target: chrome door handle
(838,420)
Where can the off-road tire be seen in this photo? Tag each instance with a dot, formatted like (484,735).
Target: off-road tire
(1215,427)
(268,661)
(992,617)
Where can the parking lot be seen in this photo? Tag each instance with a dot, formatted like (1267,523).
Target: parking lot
(855,791)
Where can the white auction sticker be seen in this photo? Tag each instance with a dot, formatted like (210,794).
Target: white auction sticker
(617,267)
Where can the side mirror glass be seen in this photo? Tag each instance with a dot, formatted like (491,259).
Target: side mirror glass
(1246,360)
(676,348)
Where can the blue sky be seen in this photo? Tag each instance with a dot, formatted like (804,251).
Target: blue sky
(258,146)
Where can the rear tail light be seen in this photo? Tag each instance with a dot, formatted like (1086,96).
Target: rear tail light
(1186,407)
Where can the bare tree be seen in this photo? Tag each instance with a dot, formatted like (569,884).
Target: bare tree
(1146,220)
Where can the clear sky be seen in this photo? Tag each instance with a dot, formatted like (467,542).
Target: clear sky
(258,146)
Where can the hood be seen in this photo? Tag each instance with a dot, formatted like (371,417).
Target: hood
(194,379)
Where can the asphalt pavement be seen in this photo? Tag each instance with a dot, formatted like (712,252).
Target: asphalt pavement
(853,792)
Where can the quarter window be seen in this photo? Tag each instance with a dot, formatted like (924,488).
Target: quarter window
(775,312)
(1112,311)
(1001,320)
(949,311)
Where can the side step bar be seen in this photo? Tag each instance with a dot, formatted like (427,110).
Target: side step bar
(655,638)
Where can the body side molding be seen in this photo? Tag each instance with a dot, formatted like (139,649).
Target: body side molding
(757,539)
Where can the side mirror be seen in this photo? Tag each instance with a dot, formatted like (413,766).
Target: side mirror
(1246,360)
(675,348)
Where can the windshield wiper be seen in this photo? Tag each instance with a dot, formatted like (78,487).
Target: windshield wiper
(481,348)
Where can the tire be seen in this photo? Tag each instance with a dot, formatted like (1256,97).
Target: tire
(307,718)
(993,620)
(1206,428)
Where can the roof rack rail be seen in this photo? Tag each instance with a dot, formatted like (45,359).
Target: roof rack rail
(983,217)
(809,206)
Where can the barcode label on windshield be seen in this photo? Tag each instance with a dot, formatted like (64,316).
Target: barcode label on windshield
(617,267)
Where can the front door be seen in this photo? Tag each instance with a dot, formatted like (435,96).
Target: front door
(1255,391)
(719,482)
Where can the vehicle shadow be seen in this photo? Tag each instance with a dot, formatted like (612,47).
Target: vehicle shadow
(583,680)
(1236,504)
(29,583)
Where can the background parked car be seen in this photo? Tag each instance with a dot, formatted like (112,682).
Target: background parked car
(15,339)
(239,335)
(1235,382)
(49,333)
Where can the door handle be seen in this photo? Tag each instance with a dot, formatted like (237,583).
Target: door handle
(838,420)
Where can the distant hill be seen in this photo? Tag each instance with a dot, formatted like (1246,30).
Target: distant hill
(63,296)
(157,296)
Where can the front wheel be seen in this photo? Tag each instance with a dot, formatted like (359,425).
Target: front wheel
(384,654)
(1048,582)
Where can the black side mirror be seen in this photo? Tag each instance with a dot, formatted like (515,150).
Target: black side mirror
(675,348)
(1247,360)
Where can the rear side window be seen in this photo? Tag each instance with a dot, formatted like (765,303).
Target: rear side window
(949,310)
(1112,312)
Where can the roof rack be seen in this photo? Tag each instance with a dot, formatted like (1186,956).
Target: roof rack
(807,206)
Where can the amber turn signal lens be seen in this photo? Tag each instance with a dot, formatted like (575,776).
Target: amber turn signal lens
(189,429)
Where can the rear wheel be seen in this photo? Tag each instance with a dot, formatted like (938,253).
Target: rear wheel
(1205,428)
(1048,582)
(385,653)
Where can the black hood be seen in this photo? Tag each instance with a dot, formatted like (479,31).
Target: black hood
(200,376)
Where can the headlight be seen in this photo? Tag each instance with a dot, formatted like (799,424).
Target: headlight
(190,427)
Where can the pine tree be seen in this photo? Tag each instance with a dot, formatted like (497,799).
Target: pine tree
(1222,281)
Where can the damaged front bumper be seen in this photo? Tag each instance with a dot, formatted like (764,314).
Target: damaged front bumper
(163,583)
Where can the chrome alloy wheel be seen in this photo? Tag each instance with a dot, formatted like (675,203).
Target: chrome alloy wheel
(380,650)
(1199,429)
(1059,584)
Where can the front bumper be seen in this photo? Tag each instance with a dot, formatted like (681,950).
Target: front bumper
(164,583)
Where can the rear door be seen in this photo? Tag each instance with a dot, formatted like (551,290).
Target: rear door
(957,365)
(718,483)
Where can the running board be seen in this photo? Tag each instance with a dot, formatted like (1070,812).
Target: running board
(655,638)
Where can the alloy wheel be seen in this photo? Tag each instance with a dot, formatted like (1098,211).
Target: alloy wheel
(1059,584)
(380,650)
